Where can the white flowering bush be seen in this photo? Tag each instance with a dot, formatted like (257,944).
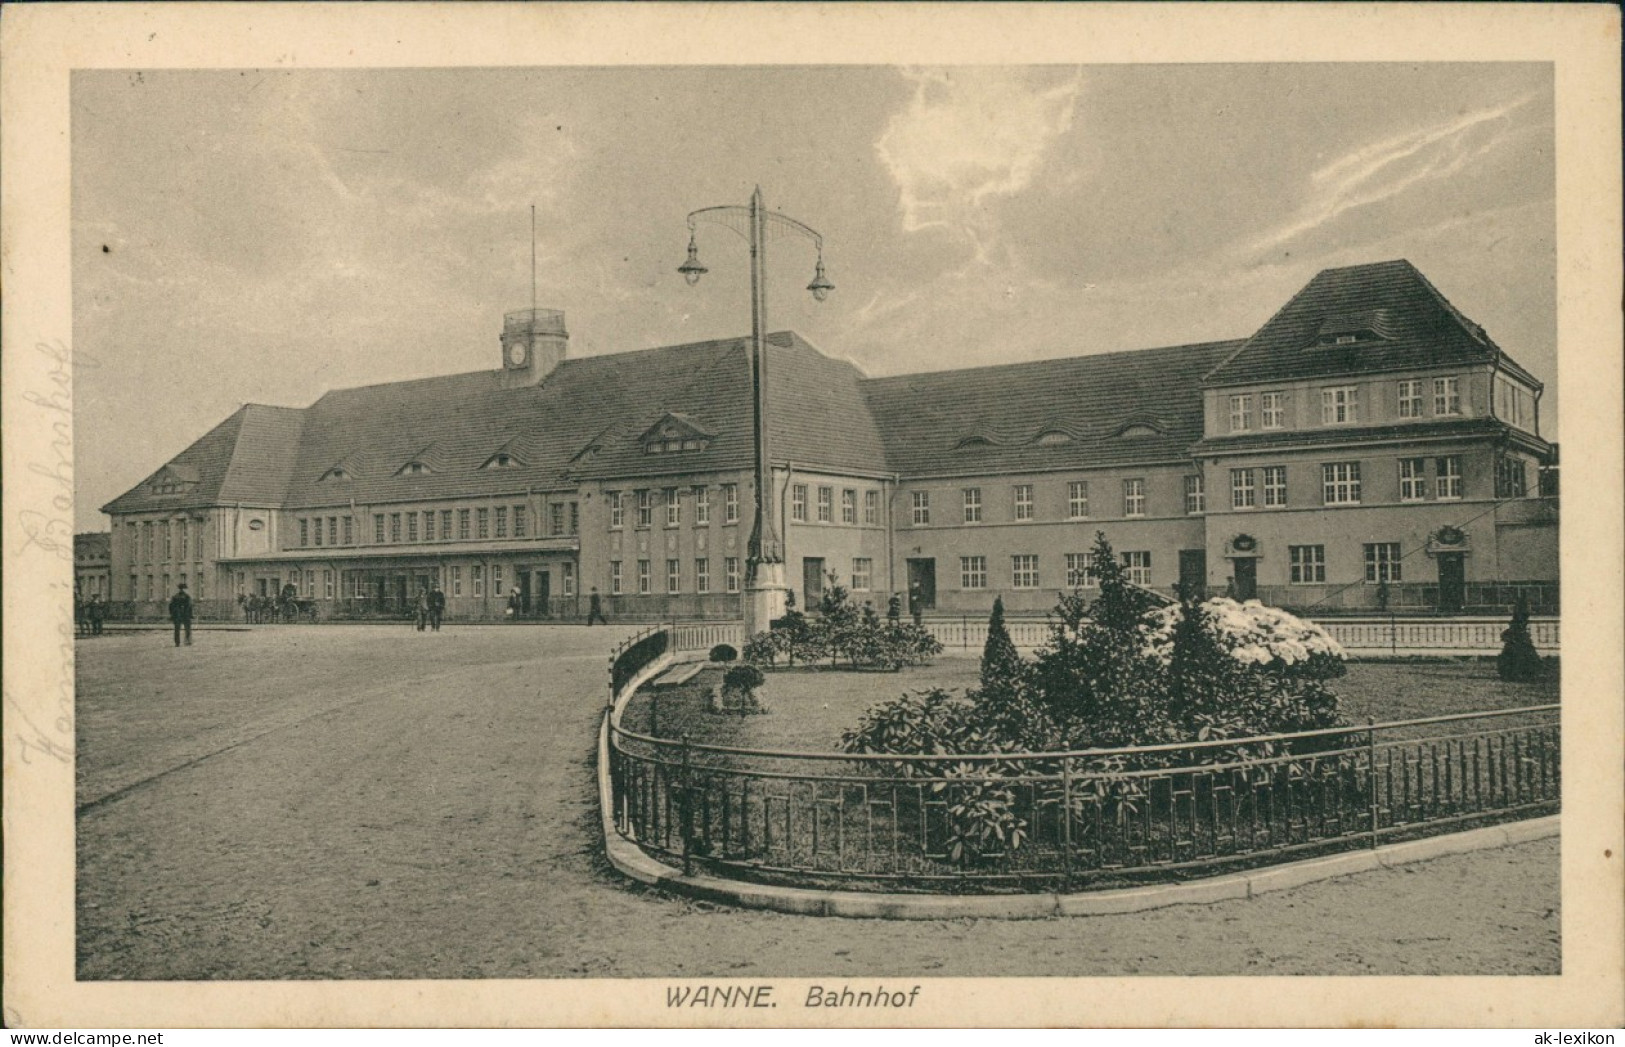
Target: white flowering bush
(1253,635)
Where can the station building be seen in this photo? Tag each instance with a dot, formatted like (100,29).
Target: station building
(1368,447)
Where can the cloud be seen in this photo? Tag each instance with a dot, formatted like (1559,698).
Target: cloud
(968,135)
(1385,169)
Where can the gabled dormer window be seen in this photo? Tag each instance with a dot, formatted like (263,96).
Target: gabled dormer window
(674,434)
(414,469)
(502,460)
(1050,437)
(338,472)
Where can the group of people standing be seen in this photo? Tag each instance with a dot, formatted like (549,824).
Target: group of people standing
(88,615)
(429,608)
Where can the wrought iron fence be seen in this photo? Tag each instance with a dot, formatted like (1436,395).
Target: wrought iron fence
(1079,818)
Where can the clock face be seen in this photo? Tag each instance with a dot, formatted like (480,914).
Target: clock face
(516,355)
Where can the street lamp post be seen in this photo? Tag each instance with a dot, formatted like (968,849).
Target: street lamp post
(765,586)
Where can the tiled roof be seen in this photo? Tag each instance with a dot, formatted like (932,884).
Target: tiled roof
(1051,414)
(263,457)
(1412,323)
(210,456)
(92,545)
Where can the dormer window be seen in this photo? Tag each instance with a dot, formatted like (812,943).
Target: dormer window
(500,460)
(1137,430)
(973,441)
(414,469)
(338,472)
(674,434)
(1051,437)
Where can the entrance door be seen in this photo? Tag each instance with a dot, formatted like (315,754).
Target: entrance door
(812,581)
(1193,572)
(523,575)
(922,585)
(544,592)
(1246,576)
(1452,581)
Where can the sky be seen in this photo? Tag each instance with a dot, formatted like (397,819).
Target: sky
(265,236)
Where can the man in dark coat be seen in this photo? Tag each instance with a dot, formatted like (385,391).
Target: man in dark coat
(437,606)
(595,608)
(97,611)
(180,614)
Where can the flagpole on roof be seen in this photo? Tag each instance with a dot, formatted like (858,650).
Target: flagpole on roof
(533,261)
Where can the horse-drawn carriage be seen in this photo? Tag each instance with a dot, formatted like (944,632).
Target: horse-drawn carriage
(284,607)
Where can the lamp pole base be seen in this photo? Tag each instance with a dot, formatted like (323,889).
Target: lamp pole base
(766,598)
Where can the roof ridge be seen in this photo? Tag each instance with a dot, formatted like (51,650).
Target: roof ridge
(1190,347)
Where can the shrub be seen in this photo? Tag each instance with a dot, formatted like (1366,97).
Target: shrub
(841,632)
(723,652)
(739,686)
(1518,659)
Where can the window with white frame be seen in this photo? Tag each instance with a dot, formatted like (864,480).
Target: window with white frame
(702,505)
(1023,501)
(646,512)
(730,503)
(1307,563)
(702,575)
(826,505)
(519,517)
(674,508)
(617,510)
(1447,395)
(1241,413)
(378,527)
(1340,405)
(1242,494)
(569,573)
(555,519)
(798,502)
(849,506)
(973,504)
(1134,497)
(1410,398)
(1024,571)
(476,575)
(395,527)
(674,576)
(1382,562)
(1137,566)
(463,516)
(1079,574)
(922,507)
(501,521)
(456,582)
(645,579)
(1413,479)
(1447,470)
(615,578)
(412,527)
(863,569)
(973,572)
(1340,483)
(575,517)
(1509,477)
(445,526)
(482,523)
(304,536)
(1274,486)
(730,573)
(1272,410)
(1195,496)
(871,508)
(496,580)
(428,526)
(1077,499)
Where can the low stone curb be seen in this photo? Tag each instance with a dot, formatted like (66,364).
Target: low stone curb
(628,858)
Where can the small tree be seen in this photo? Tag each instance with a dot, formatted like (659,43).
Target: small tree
(739,686)
(1518,659)
(1001,663)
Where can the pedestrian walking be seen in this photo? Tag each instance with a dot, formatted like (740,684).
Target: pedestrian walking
(437,606)
(595,608)
(513,602)
(420,610)
(180,614)
(97,611)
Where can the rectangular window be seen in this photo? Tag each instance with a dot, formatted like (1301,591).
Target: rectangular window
(411,527)
(496,580)
(1308,563)
(1382,562)
(1023,495)
(826,505)
(169,541)
(476,575)
(1448,473)
(617,510)
(568,571)
(445,524)
(674,508)
(462,524)
(1195,496)
(349,530)
(1272,410)
(863,569)
(615,578)
(456,581)
(327,584)
(849,506)
(871,508)
(1340,405)
(1446,396)
(135,587)
(798,503)
(973,505)
(482,523)
(1137,567)
(304,536)
(674,576)
(168,588)
(645,582)
(1024,571)
(646,512)
(922,507)
(730,571)
(1410,398)
(520,525)
(575,517)
(394,527)
(186,534)
(702,505)
(973,572)
(555,519)
(1275,486)
(730,503)
(149,587)
(1077,499)
(1078,573)
(1340,483)
(1509,477)
(702,575)
(310,583)
(1241,413)
(502,521)
(1241,489)
(1413,479)
(1133,497)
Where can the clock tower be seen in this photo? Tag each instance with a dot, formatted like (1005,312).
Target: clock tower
(533,343)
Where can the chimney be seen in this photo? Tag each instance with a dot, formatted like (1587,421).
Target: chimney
(533,344)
